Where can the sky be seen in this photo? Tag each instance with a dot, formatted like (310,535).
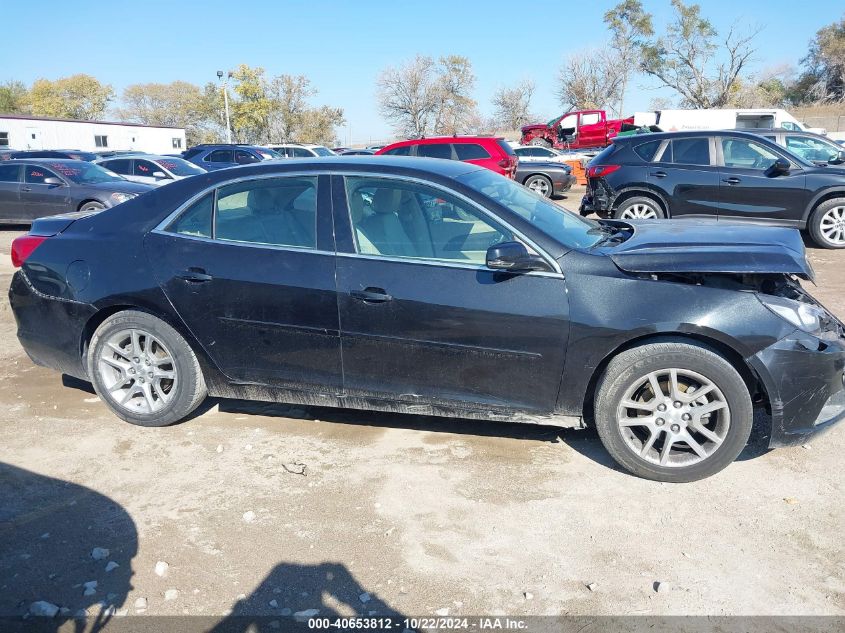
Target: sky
(343,46)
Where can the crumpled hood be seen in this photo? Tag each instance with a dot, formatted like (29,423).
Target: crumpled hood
(687,246)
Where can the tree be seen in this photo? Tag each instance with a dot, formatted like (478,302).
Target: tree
(512,106)
(178,104)
(423,96)
(686,58)
(629,25)
(14,97)
(824,77)
(75,97)
(590,80)
(250,110)
(408,96)
(456,110)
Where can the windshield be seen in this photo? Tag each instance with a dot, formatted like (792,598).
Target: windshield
(569,229)
(180,167)
(323,151)
(83,173)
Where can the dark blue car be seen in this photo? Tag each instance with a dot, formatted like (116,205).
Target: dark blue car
(219,156)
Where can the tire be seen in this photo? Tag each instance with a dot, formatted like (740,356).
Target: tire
(540,184)
(827,224)
(117,371)
(92,205)
(640,448)
(539,141)
(639,208)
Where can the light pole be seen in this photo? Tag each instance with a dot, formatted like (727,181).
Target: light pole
(226,103)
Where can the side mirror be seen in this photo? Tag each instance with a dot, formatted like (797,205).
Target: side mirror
(780,167)
(514,257)
(160,174)
(55,182)
(838,159)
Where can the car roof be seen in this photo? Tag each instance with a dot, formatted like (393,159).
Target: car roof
(137,155)
(653,136)
(438,166)
(434,140)
(52,161)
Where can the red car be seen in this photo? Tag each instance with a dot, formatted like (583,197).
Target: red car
(487,151)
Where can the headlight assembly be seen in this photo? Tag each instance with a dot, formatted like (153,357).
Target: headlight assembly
(804,316)
(117,197)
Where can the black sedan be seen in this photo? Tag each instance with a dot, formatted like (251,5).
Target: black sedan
(434,287)
(34,188)
(733,175)
(547,179)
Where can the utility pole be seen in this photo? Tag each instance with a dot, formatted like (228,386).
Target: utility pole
(226,102)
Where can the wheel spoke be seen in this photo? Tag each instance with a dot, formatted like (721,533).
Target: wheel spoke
(120,366)
(668,442)
(646,420)
(119,350)
(160,392)
(710,407)
(710,435)
(674,390)
(695,395)
(130,393)
(148,396)
(694,445)
(164,374)
(649,442)
(641,406)
(136,342)
(655,385)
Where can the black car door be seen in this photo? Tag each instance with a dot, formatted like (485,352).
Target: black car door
(750,189)
(39,198)
(686,175)
(423,321)
(10,191)
(250,269)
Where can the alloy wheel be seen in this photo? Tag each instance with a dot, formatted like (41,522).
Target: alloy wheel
(639,211)
(673,417)
(138,371)
(539,185)
(832,225)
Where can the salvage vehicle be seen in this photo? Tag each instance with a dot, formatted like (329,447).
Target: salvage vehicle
(151,169)
(580,129)
(731,175)
(547,179)
(440,288)
(491,152)
(37,187)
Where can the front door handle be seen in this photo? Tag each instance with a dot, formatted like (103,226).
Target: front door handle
(26,188)
(371,295)
(733,180)
(658,174)
(194,275)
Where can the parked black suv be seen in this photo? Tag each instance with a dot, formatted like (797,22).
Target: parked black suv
(737,176)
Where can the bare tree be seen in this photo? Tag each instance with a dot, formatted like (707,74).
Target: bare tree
(408,96)
(591,79)
(628,24)
(512,106)
(456,110)
(684,59)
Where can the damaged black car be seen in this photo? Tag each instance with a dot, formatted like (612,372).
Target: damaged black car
(434,287)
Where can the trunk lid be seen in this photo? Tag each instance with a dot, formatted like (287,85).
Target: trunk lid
(55,224)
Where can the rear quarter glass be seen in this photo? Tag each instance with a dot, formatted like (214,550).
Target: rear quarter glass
(604,154)
(507,149)
(646,151)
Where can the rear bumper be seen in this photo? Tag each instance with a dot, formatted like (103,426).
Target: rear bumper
(563,184)
(805,380)
(596,200)
(49,329)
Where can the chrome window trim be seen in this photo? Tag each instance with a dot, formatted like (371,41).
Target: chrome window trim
(160,227)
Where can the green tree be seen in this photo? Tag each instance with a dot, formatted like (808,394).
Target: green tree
(252,106)
(14,97)
(178,104)
(76,97)
(629,25)
(693,60)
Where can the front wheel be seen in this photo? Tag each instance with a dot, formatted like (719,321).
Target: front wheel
(827,224)
(540,184)
(673,412)
(92,205)
(639,208)
(144,370)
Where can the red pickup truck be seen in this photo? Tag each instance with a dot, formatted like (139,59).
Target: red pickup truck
(580,129)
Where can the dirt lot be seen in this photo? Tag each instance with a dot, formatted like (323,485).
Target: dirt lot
(407,514)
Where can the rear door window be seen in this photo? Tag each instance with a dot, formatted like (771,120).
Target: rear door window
(220,156)
(195,221)
(470,151)
(435,150)
(10,173)
(405,150)
(646,151)
(690,151)
(245,158)
(301,152)
(120,166)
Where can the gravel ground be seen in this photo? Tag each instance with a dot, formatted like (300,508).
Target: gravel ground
(264,510)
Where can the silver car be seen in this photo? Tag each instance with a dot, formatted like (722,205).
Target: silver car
(150,169)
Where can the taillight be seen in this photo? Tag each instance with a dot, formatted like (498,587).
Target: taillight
(23,247)
(598,171)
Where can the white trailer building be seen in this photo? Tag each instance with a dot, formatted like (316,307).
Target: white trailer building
(18,131)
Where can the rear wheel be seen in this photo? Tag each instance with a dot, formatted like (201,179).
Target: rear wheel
(827,224)
(540,184)
(92,205)
(144,370)
(639,208)
(673,412)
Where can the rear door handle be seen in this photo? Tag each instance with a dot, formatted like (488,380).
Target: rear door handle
(371,295)
(194,275)
(733,180)
(26,188)
(659,174)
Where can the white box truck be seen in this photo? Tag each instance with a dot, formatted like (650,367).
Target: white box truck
(722,119)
